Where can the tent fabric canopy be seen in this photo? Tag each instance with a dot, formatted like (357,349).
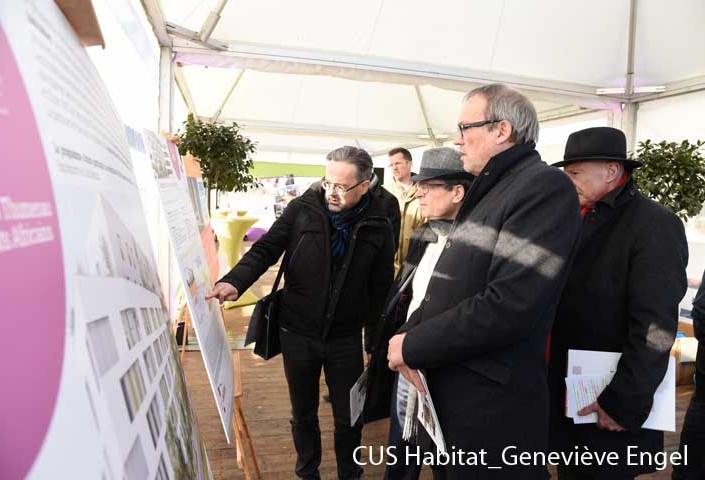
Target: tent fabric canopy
(305,77)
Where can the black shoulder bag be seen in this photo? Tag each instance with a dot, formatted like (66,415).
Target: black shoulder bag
(263,328)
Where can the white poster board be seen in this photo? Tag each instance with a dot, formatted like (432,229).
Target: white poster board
(207,318)
(91,384)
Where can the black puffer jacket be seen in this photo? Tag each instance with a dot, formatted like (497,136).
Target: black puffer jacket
(317,302)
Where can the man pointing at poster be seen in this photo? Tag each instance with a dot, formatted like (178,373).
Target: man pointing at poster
(339,245)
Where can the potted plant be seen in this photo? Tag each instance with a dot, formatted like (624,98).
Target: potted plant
(225,155)
(673,174)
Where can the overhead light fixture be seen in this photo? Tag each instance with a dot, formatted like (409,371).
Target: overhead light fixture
(620,90)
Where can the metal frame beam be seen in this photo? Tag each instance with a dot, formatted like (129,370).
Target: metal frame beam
(629,86)
(182,85)
(422,105)
(412,138)
(681,87)
(166,89)
(315,62)
(189,35)
(217,113)
(153,9)
(563,112)
(285,149)
(261,126)
(211,21)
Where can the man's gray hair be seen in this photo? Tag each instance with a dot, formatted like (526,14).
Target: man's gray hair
(356,156)
(504,103)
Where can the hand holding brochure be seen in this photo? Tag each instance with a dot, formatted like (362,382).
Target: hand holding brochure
(589,372)
(426,414)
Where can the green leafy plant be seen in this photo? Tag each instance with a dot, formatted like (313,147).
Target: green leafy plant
(224,153)
(673,174)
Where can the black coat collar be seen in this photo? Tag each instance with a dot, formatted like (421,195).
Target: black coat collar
(495,169)
(620,195)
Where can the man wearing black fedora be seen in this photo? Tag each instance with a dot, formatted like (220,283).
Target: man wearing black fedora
(622,296)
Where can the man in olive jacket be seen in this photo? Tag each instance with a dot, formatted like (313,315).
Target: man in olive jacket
(339,246)
(480,331)
(622,295)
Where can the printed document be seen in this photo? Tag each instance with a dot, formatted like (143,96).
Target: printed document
(589,372)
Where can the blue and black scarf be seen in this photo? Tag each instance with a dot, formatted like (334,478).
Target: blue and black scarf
(342,226)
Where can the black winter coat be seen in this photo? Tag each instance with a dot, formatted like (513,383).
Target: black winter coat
(317,300)
(480,333)
(622,295)
(380,378)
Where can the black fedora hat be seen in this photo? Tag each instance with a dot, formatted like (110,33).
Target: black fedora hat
(595,144)
(441,162)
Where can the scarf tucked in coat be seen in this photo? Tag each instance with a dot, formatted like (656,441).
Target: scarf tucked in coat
(342,226)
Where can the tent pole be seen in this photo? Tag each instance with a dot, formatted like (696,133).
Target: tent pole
(422,105)
(211,21)
(629,87)
(625,120)
(217,113)
(166,90)
(183,88)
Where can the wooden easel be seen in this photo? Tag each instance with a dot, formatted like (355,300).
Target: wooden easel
(242,433)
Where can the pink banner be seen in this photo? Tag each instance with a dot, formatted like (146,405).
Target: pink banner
(32,309)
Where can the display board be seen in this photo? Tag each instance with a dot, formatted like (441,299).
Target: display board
(199,202)
(207,318)
(91,384)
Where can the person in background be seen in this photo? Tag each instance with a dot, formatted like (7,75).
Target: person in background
(622,296)
(693,433)
(339,247)
(480,332)
(403,188)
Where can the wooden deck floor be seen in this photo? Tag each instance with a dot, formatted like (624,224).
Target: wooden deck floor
(267,411)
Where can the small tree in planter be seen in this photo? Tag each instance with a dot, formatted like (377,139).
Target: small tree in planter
(673,174)
(224,154)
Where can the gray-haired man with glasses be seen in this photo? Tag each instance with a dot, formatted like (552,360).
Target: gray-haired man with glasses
(338,243)
(480,332)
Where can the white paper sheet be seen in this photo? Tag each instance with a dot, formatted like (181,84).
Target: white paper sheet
(589,372)
(428,418)
(358,394)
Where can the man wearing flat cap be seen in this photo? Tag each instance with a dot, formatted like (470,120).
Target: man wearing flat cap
(440,188)
(622,296)
(479,333)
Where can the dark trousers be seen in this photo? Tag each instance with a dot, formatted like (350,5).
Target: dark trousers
(401,470)
(693,433)
(341,360)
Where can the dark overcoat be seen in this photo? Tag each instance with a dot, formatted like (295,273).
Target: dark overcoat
(621,295)
(480,332)
(318,300)
(380,377)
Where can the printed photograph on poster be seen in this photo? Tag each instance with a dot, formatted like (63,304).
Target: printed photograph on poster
(162,165)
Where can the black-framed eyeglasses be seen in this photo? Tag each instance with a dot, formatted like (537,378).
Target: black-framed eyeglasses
(464,126)
(423,187)
(329,186)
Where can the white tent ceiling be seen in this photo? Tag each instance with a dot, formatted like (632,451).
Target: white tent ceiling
(310,75)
